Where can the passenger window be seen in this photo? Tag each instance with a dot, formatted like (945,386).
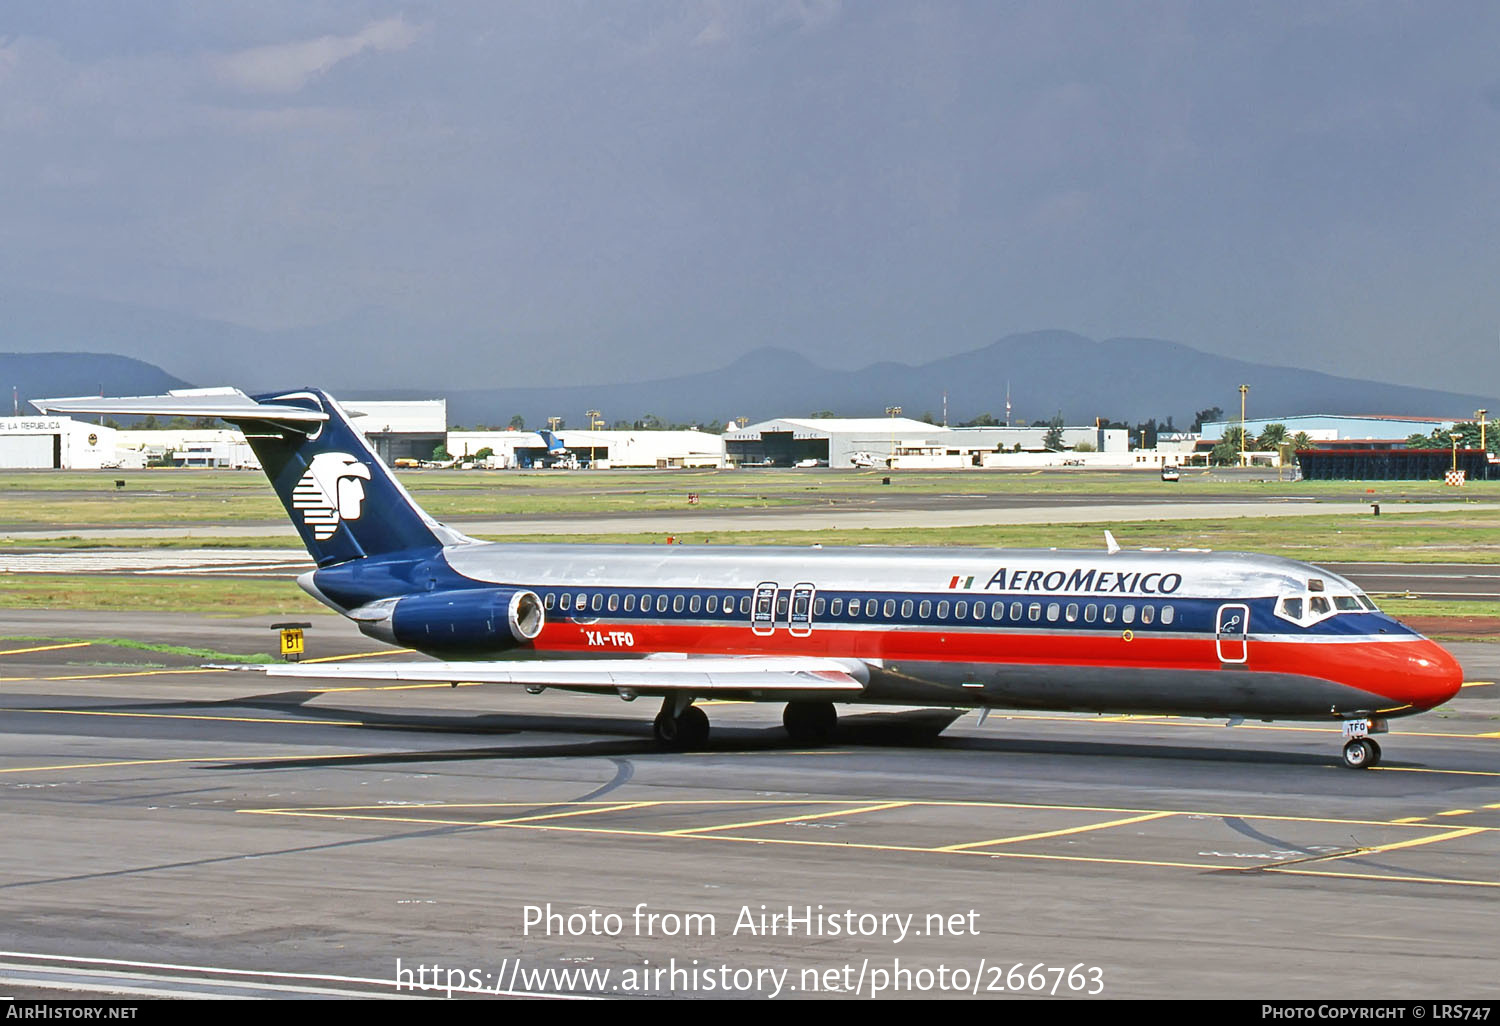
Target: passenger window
(836,607)
(997,610)
(614,602)
(744,605)
(1148,613)
(906,609)
(781,604)
(1053,609)
(645,603)
(566,601)
(1168,614)
(693,604)
(1109,613)
(1072,612)
(1015,611)
(630,603)
(819,606)
(582,601)
(550,600)
(942,610)
(1034,611)
(711,604)
(598,603)
(1127,615)
(960,610)
(676,603)
(979,610)
(890,608)
(853,608)
(1090,613)
(925,609)
(661,603)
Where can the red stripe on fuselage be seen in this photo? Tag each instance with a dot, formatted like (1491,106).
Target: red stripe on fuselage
(1415,672)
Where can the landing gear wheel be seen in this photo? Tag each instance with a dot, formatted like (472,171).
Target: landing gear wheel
(681,733)
(1361,753)
(810,723)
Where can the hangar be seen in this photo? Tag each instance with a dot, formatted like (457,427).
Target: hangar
(410,430)
(909,443)
(59,443)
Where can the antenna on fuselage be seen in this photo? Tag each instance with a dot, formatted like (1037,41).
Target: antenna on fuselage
(1110,544)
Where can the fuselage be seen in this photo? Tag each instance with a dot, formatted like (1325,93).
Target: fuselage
(1194,633)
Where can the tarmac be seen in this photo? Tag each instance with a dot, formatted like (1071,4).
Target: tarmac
(172,830)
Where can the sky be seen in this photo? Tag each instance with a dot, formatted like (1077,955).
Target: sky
(596,190)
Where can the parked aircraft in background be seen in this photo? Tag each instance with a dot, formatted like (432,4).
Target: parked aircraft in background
(1195,633)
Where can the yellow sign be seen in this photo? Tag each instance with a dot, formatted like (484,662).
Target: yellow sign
(291,642)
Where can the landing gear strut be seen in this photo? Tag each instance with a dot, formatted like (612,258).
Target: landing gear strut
(810,723)
(680,726)
(1360,750)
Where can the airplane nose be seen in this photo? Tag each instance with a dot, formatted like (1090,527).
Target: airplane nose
(1433,675)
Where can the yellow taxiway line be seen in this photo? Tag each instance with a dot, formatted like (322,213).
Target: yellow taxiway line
(1058,833)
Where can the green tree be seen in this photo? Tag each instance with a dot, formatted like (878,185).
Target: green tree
(1418,441)
(1227,452)
(1053,439)
(518,423)
(484,454)
(440,452)
(1212,414)
(1272,437)
(822,415)
(983,420)
(1084,447)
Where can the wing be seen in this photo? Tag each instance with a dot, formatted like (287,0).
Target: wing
(750,675)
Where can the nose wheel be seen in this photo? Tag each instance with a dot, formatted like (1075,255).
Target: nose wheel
(1362,753)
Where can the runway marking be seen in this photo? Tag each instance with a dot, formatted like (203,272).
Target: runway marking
(135,673)
(45,648)
(397,687)
(1465,684)
(1058,833)
(201,758)
(353,655)
(563,815)
(1185,721)
(1409,819)
(192,716)
(1386,876)
(787,819)
(848,807)
(1445,772)
(1457,812)
(220,971)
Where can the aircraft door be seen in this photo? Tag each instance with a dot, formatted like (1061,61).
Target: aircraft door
(763,609)
(1232,631)
(799,622)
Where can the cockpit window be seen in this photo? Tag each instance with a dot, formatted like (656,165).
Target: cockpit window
(1346,603)
(1318,605)
(1291,608)
(1365,601)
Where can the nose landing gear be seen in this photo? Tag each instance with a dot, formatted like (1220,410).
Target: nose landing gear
(1360,750)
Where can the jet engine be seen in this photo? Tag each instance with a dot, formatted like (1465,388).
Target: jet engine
(470,620)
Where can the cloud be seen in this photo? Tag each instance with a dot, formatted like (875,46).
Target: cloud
(287,67)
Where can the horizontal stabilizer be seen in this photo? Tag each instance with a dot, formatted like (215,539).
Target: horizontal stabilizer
(224,403)
(648,676)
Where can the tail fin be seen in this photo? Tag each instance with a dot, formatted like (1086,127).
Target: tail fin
(341,497)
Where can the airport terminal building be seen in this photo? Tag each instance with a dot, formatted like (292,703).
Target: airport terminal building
(904,443)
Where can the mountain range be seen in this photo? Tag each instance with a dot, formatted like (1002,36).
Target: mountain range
(1046,373)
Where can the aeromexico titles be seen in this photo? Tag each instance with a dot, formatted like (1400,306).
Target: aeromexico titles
(1191,633)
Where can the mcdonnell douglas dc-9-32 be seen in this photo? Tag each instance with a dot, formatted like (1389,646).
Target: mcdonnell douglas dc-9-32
(1205,634)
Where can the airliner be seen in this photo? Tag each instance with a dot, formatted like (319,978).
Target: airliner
(1187,633)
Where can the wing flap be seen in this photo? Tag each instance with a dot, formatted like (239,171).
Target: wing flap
(698,675)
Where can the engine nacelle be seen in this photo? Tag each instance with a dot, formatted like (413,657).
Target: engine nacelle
(470,620)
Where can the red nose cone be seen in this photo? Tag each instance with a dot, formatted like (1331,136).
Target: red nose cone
(1432,675)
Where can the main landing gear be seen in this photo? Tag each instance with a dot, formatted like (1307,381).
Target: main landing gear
(680,726)
(810,723)
(1360,750)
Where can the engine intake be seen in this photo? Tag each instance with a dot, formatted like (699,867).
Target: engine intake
(471,620)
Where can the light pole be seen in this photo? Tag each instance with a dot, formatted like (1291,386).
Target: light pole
(1244,390)
(893,412)
(1455,436)
(593,416)
(1482,445)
